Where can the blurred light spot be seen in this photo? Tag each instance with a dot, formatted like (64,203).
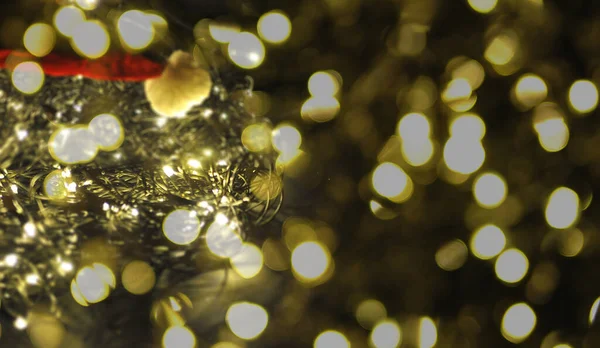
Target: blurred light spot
(138,277)
(562,210)
(55,186)
(530,90)
(518,322)
(90,39)
(28,77)
(594,311)
(381,212)
(20,323)
(464,105)
(320,109)
(392,182)
(331,339)
(583,96)
(571,242)
(39,39)
(108,131)
(181,226)
(246,320)
(73,145)
(563,345)
(87,4)
(11,260)
(457,89)
(467,127)
(67,18)
(223,32)
(452,255)
(45,330)
(483,6)
(417,152)
(487,242)
(91,285)
(168,170)
(30,229)
(135,29)
(276,255)
(550,125)
(266,186)
(274,27)
(223,239)
(489,190)
(501,49)
(296,231)
(369,312)
(179,337)
(414,126)
(464,157)
(286,138)
(427,333)
(386,334)
(511,266)
(225,345)
(248,262)
(323,84)
(246,50)
(310,261)
(257,137)
(470,70)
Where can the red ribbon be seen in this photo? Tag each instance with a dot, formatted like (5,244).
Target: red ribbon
(122,66)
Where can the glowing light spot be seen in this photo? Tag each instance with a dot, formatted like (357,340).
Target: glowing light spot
(91,285)
(169,171)
(562,210)
(28,77)
(323,84)
(107,131)
(530,90)
(223,239)
(457,89)
(45,330)
(310,261)
(179,337)
(138,277)
(483,6)
(380,211)
(247,320)
(223,32)
(452,255)
(248,262)
(594,311)
(427,333)
(73,145)
(464,157)
(417,152)
(90,39)
(369,312)
(66,266)
(501,50)
(551,128)
(467,127)
(470,70)
(320,109)
(571,242)
(414,126)
(583,96)
(135,29)
(511,266)
(331,339)
(386,334)
(487,242)
(55,186)
(87,4)
(392,182)
(257,137)
(67,18)
(518,322)
(181,226)
(20,323)
(30,229)
(274,27)
(32,279)
(246,50)
(11,260)
(489,190)
(286,139)
(39,39)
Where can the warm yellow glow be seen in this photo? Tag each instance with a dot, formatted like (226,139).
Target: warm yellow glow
(223,238)
(323,84)
(427,333)
(310,261)
(246,50)
(553,134)
(452,255)
(483,6)
(138,277)
(106,274)
(135,29)
(392,182)
(92,285)
(181,226)
(511,266)
(39,39)
(487,242)
(369,312)
(501,50)
(168,170)
(274,27)
(223,32)
(320,109)
(457,89)
(583,96)
(55,186)
(463,156)
(414,127)
(562,210)
(286,138)
(45,329)
(594,311)
(246,320)
(67,18)
(530,90)
(266,186)
(417,152)
(179,337)
(87,4)
(386,334)
(518,322)
(472,71)
(90,39)
(467,127)
(571,242)
(108,131)
(28,77)
(489,190)
(72,145)
(562,345)
(331,339)
(257,137)
(248,262)
(380,211)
